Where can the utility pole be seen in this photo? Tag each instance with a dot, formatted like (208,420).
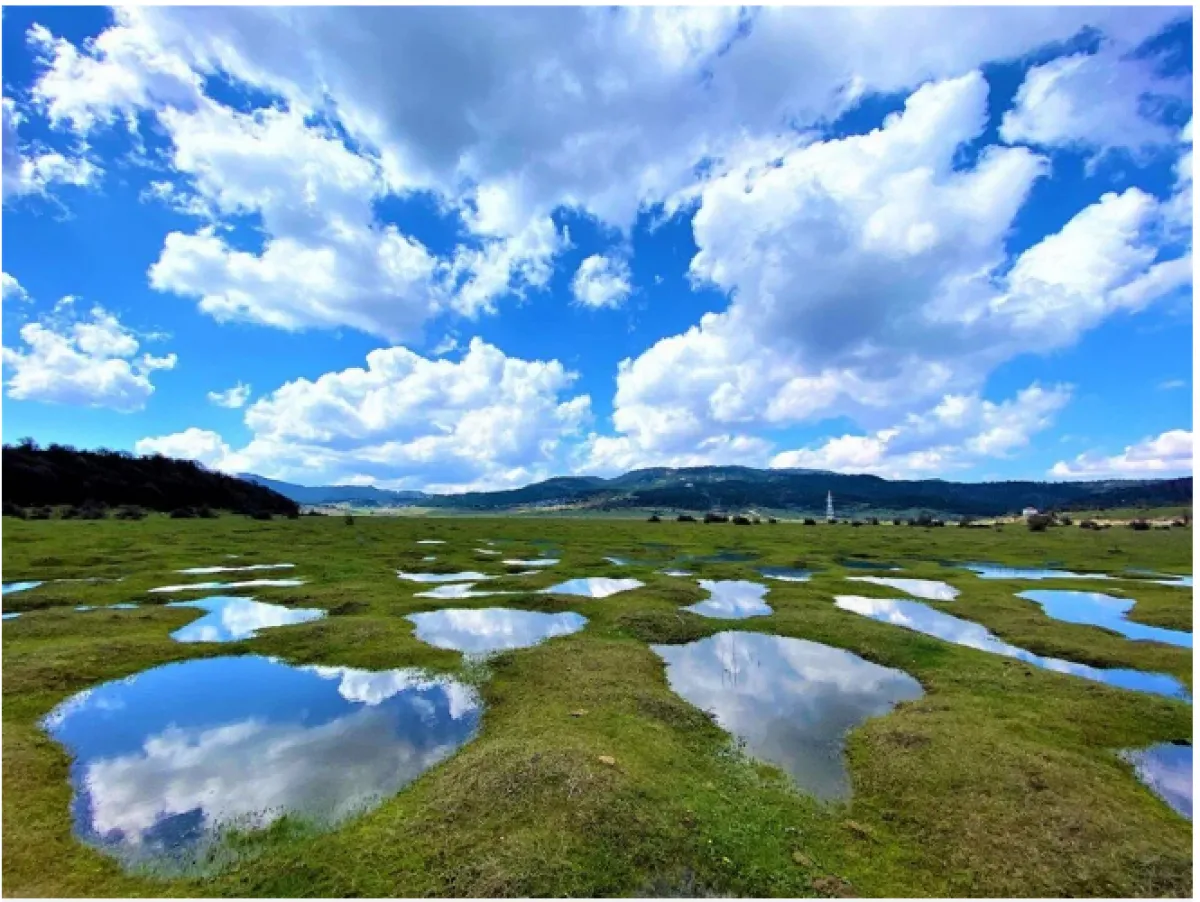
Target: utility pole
(829,508)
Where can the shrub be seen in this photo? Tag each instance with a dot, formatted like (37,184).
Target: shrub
(13,510)
(1038,522)
(654,518)
(1178,524)
(348,519)
(809,521)
(873,521)
(40,513)
(314,513)
(896,521)
(129,512)
(1139,525)
(293,515)
(710,517)
(772,520)
(261,515)
(205,512)
(686,518)
(739,520)
(1088,524)
(182,513)
(856,522)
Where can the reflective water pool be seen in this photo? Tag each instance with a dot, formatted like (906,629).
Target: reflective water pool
(995,571)
(731,599)
(457,590)
(594,586)
(1166,768)
(921,618)
(244,584)
(535,562)
(19,587)
(229,619)
(853,564)
(790,701)
(234,569)
(431,541)
(487,630)
(933,589)
(463,577)
(12,616)
(786,574)
(1098,609)
(164,761)
(675,572)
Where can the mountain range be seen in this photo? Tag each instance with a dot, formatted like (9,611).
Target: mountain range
(740,488)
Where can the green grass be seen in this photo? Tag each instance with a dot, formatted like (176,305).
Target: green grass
(1001,780)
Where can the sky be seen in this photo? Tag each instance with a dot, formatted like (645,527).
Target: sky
(451,249)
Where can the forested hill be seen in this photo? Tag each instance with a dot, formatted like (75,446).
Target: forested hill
(62,475)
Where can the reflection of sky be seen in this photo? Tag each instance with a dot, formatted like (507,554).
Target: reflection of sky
(1098,609)
(234,569)
(19,587)
(786,574)
(457,590)
(676,572)
(731,599)
(921,588)
(165,758)
(994,571)
(594,586)
(431,542)
(1167,769)
(465,576)
(492,629)
(792,701)
(10,616)
(921,618)
(230,619)
(535,562)
(245,584)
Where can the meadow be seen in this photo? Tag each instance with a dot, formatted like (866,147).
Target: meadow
(1001,780)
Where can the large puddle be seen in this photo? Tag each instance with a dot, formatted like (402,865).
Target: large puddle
(165,761)
(199,570)
(921,618)
(790,701)
(229,619)
(933,589)
(487,630)
(786,574)
(244,584)
(995,571)
(594,586)
(457,590)
(463,577)
(731,599)
(1098,609)
(1166,768)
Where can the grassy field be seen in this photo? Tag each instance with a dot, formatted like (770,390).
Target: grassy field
(1001,780)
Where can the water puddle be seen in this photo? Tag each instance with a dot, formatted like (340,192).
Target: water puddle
(1163,579)
(1098,609)
(428,558)
(786,574)
(487,630)
(594,586)
(8,588)
(853,564)
(995,571)
(731,599)
(921,618)
(790,701)
(676,572)
(165,761)
(12,616)
(458,590)
(1166,768)
(933,589)
(245,584)
(230,619)
(463,577)
(487,551)
(431,542)
(236,569)
(536,562)
(720,557)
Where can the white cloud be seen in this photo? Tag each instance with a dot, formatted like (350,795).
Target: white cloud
(484,421)
(11,289)
(34,170)
(1097,100)
(961,431)
(601,282)
(1169,454)
(1172,384)
(82,362)
(232,397)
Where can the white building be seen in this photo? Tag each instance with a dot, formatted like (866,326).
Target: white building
(1029,512)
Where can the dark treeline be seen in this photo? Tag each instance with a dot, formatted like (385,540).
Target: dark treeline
(62,475)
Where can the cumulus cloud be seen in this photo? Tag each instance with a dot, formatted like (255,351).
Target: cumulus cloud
(601,282)
(33,170)
(88,362)
(232,397)
(11,289)
(961,430)
(1168,454)
(485,421)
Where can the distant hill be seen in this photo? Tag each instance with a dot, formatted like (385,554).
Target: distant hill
(705,488)
(58,474)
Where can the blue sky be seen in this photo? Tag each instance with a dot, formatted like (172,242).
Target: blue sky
(471,248)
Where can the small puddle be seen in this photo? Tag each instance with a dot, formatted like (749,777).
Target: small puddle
(487,551)
(791,701)
(428,558)
(230,619)
(594,586)
(720,557)
(786,574)
(676,572)
(164,762)
(854,564)
(431,541)
(457,590)
(237,569)
(1163,579)
(731,599)
(1166,768)
(12,616)
(921,618)
(486,630)
(245,584)
(1107,611)
(995,571)
(535,562)
(933,589)
(463,577)
(8,588)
